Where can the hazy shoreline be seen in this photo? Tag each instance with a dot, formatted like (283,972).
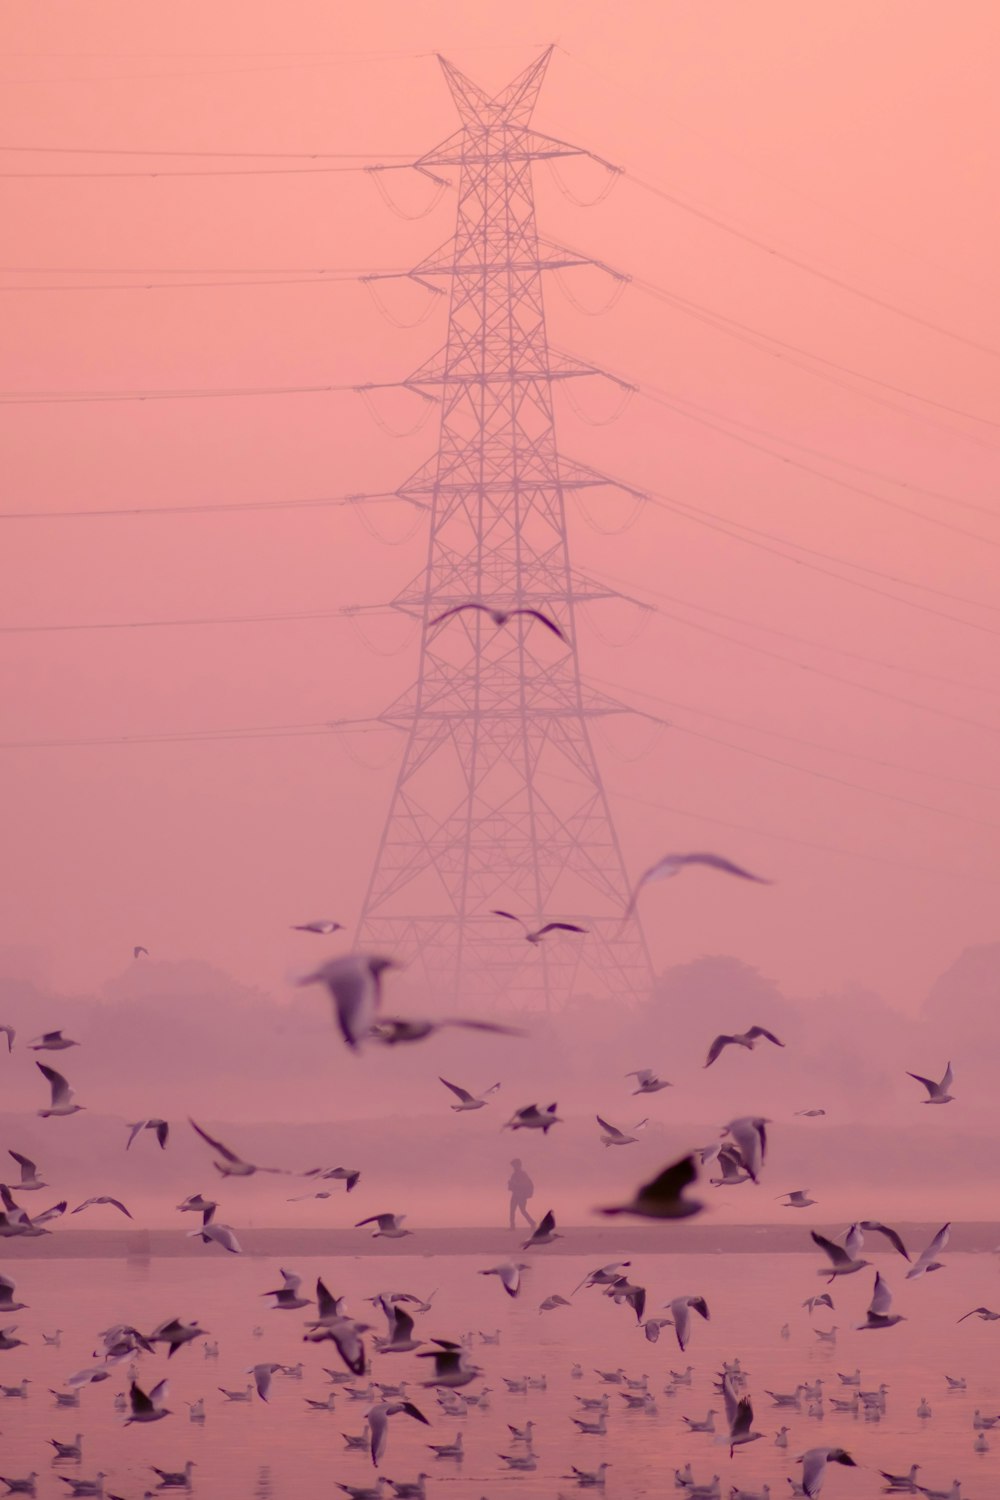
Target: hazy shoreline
(604,1241)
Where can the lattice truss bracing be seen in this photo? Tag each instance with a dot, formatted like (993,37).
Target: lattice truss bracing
(499,801)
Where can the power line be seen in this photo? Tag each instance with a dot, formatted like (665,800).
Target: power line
(807,266)
(875,661)
(361,156)
(211,508)
(794,739)
(70,398)
(674,403)
(344,612)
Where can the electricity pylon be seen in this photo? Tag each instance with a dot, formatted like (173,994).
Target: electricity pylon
(499,800)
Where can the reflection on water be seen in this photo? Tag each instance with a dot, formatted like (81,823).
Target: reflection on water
(287,1449)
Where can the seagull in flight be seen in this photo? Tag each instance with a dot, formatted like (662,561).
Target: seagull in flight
(663,1197)
(499,617)
(739,1415)
(51,1041)
(880,1314)
(647,1081)
(391,1030)
(509,1275)
(750,1135)
(389,1226)
(321,926)
(799,1198)
(103,1199)
(147,1408)
(533,1118)
(926,1259)
(814,1462)
(450,1364)
(680,1310)
(30,1180)
(467,1101)
(537,935)
(746,1039)
(612,1136)
(810,1114)
(855,1237)
(937,1093)
(10,1034)
(62,1094)
(984,1313)
(543,1233)
(139,951)
(287,1297)
(673,864)
(349,1176)
(231,1165)
(842,1261)
(823,1300)
(377,1418)
(7,1303)
(354,983)
(161,1127)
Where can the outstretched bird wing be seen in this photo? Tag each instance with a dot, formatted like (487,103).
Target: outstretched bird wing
(223,1151)
(459,1093)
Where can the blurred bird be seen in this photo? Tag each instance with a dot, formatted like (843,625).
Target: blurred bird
(451,1366)
(535,936)
(814,1462)
(842,1262)
(231,1165)
(51,1041)
(798,1198)
(647,1081)
(377,1418)
(509,1275)
(139,951)
(10,1034)
(103,1199)
(533,1118)
(750,1134)
(391,1030)
(612,1136)
(662,1198)
(672,864)
(925,1260)
(161,1127)
(389,1226)
(287,1297)
(498,616)
(147,1408)
(680,1310)
(984,1313)
(322,926)
(354,983)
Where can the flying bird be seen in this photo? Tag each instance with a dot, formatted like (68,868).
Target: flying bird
(810,1114)
(533,1118)
(467,1101)
(880,1314)
(349,1176)
(7,1303)
(747,1039)
(139,951)
(612,1136)
(750,1134)
(10,1034)
(51,1041)
(213,1233)
(536,935)
(377,1418)
(647,1081)
(389,1226)
(937,1093)
(823,1300)
(287,1297)
(62,1094)
(231,1165)
(175,1334)
(498,616)
(509,1276)
(680,1310)
(799,1198)
(451,1366)
(543,1233)
(662,1198)
(161,1127)
(673,864)
(354,983)
(391,1030)
(814,1462)
(322,926)
(103,1199)
(739,1415)
(262,1374)
(983,1313)
(842,1261)
(147,1408)
(855,1237)
(30,1181)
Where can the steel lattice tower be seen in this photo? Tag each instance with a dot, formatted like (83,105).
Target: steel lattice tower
(499,801)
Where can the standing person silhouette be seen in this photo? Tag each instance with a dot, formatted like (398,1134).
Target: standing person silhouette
(521,1189)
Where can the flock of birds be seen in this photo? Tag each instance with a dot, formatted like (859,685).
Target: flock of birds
(354,983)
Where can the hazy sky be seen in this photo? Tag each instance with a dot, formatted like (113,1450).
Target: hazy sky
(857,139)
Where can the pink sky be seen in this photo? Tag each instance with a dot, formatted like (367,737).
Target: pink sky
(859,138)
